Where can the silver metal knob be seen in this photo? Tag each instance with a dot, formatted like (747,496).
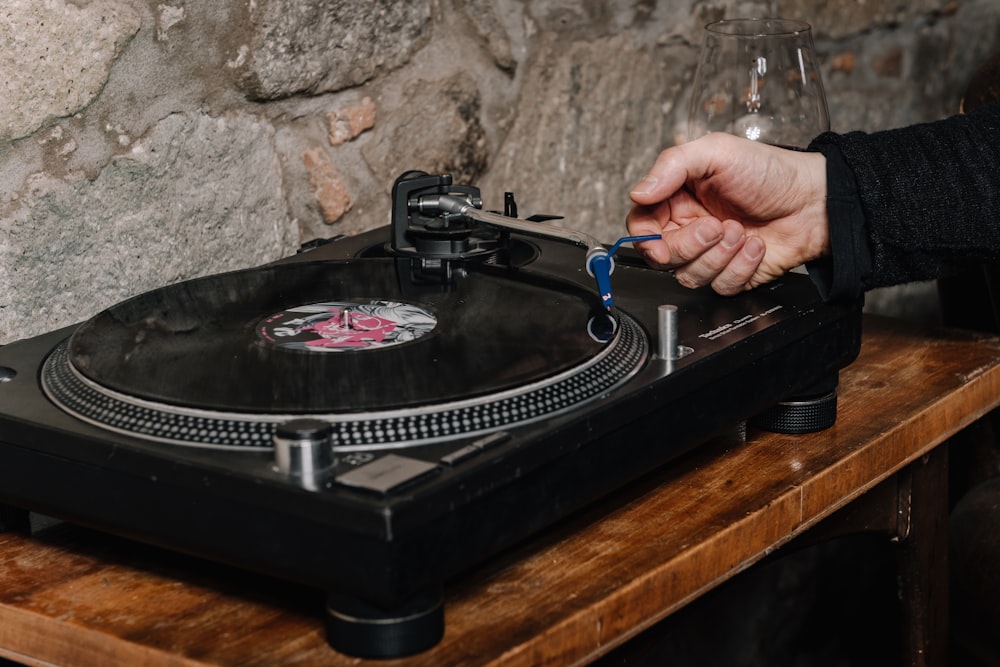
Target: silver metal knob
(302,449)
(667,324)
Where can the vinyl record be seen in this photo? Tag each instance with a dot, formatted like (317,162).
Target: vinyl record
(335,337)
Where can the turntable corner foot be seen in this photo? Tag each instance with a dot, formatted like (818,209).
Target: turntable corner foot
(811,410)
(361,629)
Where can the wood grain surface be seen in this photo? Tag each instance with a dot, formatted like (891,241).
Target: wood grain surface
(69,596)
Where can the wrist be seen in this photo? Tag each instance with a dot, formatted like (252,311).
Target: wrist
(816,210)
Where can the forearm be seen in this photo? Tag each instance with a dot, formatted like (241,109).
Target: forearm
(928,195)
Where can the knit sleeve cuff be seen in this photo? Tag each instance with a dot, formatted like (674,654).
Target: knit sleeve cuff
(842,274)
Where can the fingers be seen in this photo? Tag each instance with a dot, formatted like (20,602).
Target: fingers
(662,181)
(644,192)
(645,221)
(678,244)
(705,252)
(695,271)
(676,200)
(675,166)
(736,275)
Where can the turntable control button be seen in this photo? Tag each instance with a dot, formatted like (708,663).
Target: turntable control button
(491,440)
(302,448)
(386,474)
(459,455)
(475,447)
(304,429)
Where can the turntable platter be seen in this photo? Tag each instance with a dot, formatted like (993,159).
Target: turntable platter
(354,341)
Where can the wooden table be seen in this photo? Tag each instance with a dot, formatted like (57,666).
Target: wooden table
(73,597)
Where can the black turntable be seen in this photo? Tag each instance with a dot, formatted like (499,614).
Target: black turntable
(380,412)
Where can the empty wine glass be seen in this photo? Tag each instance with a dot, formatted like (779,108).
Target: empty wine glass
(758,78)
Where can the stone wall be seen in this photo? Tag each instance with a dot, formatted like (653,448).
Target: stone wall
(147,142)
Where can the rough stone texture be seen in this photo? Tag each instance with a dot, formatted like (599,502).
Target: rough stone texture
(482,14)
(608,111)
(124,180)
(332,194)
(438,131)
(903,62)
(56,57)
(348,122)
(167,18)
(845,18)
(198,195)
(316,47)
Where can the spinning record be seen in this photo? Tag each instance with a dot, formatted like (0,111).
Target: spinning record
(358,342)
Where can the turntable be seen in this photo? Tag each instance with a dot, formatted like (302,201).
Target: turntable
(381,412)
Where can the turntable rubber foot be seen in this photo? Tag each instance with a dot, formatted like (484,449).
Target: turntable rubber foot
(362,630)
(811,410)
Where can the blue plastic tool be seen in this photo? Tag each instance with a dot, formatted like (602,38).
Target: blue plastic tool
(600,264)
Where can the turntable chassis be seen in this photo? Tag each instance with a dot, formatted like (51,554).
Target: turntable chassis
(383,550)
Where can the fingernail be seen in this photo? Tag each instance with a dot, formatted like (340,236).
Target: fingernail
(754,247)
(644,186)
(730,237)
(706,233)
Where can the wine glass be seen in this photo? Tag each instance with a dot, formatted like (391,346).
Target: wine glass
(758,78)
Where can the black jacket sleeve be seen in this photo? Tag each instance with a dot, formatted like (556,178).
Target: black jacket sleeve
(911,204)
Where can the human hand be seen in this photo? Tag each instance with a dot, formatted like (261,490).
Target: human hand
(733,213)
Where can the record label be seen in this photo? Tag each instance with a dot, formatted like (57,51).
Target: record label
(340,326)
